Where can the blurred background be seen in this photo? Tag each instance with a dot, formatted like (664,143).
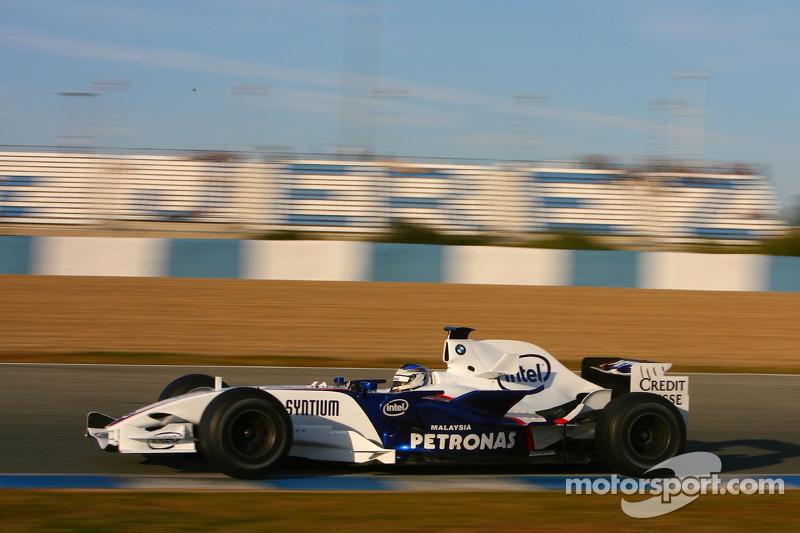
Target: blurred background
(211,181)
(196,139)
(631,126)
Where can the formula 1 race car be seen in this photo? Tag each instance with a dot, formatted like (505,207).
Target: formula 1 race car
(499,401)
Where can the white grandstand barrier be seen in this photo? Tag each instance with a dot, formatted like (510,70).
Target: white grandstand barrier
(362,197)
(252,199)
(495,265)
(733,208)
(178,189)
(710,272)
(327,196)
(509,195)
(100,256)
(306,260)
(353,261)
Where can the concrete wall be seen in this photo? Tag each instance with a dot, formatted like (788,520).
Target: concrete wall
(361,261)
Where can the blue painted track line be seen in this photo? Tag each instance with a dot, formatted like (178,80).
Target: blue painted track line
(60,482)
(321,483)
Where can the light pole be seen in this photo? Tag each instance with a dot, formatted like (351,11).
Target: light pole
(388,123)
(691,118)
(523,135)
(111,114)
(666,134)
(248,120)
(76,120)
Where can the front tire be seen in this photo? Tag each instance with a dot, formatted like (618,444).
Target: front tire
(245,433)
(188,383)
(637,431)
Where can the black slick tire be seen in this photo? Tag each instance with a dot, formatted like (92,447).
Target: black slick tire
(188,383)
(636,431)
(245,433)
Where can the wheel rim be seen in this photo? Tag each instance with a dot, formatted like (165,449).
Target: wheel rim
(252,435)
(649,435)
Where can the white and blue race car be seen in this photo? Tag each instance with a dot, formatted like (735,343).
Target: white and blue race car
(498,401)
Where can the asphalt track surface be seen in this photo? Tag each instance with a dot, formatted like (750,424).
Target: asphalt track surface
(751,421)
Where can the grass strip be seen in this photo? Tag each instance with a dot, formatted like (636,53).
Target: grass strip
(98,511)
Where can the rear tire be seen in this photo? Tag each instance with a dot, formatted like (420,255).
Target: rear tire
(245,433)
(188,383)
(637,431)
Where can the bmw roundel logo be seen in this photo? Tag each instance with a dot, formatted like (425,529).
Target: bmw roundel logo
(460,349)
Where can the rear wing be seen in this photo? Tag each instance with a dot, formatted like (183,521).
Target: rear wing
(632,375)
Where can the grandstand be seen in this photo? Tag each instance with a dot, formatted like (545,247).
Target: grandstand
(652,202)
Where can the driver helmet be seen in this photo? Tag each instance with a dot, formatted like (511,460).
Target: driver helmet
(409,377)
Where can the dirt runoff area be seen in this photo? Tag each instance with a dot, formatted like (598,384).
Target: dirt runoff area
(195,321)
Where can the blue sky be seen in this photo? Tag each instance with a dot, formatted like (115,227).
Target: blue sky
(458,71)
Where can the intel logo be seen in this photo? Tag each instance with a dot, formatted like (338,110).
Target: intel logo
(533,375)
(395,407)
